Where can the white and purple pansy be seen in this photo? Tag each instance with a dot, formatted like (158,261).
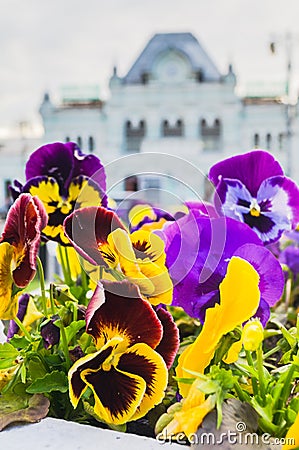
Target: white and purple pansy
(253,189)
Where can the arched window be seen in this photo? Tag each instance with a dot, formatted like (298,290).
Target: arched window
(67,139)
(131,183)
(91,144)
(79,141)
(280,141)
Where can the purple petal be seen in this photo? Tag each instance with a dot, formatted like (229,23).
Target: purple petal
(206,208)
(52,160)
(13,327)
(290,257)
(250,168)
(88,165)
(269,269)
(263,312)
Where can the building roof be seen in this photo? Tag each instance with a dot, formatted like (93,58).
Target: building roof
(185,43)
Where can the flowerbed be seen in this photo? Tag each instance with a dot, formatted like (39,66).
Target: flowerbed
(157,322)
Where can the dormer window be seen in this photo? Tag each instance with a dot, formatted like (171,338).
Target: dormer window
(176,130)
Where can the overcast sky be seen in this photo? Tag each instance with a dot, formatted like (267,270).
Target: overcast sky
(46,44)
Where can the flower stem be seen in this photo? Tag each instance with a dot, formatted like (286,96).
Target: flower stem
(260,369)
(42,285)
(62,262)
(64,343)
(53,312)
(253,379)
(68,267)
(23,329)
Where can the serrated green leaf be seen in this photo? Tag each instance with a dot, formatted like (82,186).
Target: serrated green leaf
(54,381)
(19,341)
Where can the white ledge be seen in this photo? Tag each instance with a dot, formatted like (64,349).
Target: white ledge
(54,434)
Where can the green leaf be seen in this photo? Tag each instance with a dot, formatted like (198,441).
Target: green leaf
(8,351)
(73,329)
(19,341)
(16,408)
(54,381)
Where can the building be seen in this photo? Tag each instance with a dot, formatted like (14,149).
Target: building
(172,101)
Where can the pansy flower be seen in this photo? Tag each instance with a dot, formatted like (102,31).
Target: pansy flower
(252,188)
(239,300)
(19,246)
(147,217)
(126,374)
(63,178)
(197,265)
(100,237)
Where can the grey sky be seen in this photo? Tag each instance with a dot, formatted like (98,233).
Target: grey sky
(45,44)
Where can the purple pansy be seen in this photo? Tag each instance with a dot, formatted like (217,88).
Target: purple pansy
(198,250)
(252,188)
(63,178)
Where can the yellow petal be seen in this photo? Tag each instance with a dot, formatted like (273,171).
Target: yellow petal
(233,352)
(159,277)
(48,193)
(139,212)
(120,240)
(292,436)
(239,300)
(8,305)
(152,368)
(32,314)
(148,245)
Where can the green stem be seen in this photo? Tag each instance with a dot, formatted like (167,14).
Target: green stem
(253,379)
(240,393)
(260,369)
(64,344)
(23,329)
(271,352)
(83,275)
(101,272)
(62,262)
(285,392)
(53,309)
(68,267)
(42,285)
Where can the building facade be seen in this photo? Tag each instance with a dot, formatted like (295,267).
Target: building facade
(173,101)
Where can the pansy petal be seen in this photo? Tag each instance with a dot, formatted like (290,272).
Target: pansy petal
(160,279)
(22,307)
(271,282)
(120,241)
(239,300)
(77,385)
(117,394)
(232,199)
(88,228)
(84,192)
(251,169)
(117,308)
(25,220)
(88,165)
(52,160)
(145,362)
(148,245)
(170,341)
(8,305)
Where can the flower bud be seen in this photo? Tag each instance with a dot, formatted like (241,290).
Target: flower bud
(252,335)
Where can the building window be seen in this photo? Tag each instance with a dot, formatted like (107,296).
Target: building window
(199,76)
(131,184)
(91,144)
(268,141)
(7,195)
(176,130)
(67,139)
(134,136)
(256,140)
(280,141)
(79,141)
(211,135)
